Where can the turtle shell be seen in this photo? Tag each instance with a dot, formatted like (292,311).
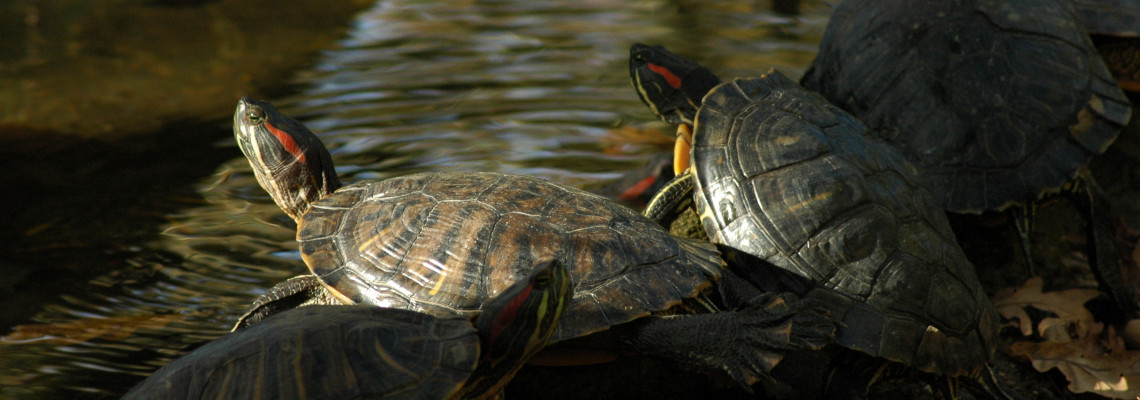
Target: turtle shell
(1110,17)
(445,242)
(331,352)
(784,175)
(997,101)
(1115,29)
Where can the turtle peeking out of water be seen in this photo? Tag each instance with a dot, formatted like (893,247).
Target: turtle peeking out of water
(445,243)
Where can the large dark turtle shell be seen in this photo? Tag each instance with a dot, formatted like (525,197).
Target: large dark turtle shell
(784,175)
(1115,29)
(1110,17)
(327,352)
(997,101)
(446,242)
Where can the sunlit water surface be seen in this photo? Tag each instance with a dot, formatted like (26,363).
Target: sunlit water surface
(523,87)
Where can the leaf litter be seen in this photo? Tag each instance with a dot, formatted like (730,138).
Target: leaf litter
(1093,357)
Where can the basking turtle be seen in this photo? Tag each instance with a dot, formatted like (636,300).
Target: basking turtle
(998,102)
(782,175)
(444,243)
(1115,29)
(342,352)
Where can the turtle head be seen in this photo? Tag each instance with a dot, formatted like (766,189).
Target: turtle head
(516,324)
(290,162)
(670,85)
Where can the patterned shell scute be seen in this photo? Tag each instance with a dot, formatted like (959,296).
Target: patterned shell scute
(805,190)
(446,242)
(996,100)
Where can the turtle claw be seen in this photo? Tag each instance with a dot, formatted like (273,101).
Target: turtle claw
(770,326)
(807,325)
(298,291)
(745,343)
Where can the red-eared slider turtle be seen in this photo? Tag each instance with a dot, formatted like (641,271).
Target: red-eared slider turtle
(783,175)
(365,352)
(998,102)
(995,101)
(1115,29)
(444,243)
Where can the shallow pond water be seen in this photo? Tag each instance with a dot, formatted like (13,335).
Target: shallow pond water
(538,88)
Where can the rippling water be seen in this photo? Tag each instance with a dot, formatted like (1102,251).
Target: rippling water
(514,86)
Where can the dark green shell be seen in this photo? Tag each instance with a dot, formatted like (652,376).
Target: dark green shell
(446,242)
(1115,28)
(784,175)
(326,352)
(1110,17)
(997,101)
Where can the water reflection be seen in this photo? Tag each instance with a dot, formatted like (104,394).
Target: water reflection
(521,87)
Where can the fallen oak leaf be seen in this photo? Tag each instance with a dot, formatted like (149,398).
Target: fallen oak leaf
(1068,305)
(1017,313)
(1057,329)
(1114,375)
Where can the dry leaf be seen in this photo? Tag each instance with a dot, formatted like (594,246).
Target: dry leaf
(1092,357)
(1068,305)
(1114,374)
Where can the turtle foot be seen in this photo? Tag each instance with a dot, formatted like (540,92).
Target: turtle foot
(298,291)
(772,325)
(745,343)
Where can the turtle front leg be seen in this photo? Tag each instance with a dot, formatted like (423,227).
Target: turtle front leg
(298,291)
(745,343)
(671,200)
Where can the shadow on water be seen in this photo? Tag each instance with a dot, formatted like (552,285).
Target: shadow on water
(86,203)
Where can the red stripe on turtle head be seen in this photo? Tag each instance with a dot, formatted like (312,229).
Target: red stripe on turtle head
(507,315)
(638,189)
(672,79)
(287,141)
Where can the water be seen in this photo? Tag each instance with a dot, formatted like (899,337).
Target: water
(535,88)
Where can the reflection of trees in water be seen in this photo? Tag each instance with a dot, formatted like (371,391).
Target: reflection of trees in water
(85,67)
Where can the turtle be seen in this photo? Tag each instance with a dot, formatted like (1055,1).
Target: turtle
(999,103)
(445,242)
(783,179)
(341,352)
(1114,26)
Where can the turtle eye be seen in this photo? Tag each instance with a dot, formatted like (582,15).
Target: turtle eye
(255,115)
(542,280)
